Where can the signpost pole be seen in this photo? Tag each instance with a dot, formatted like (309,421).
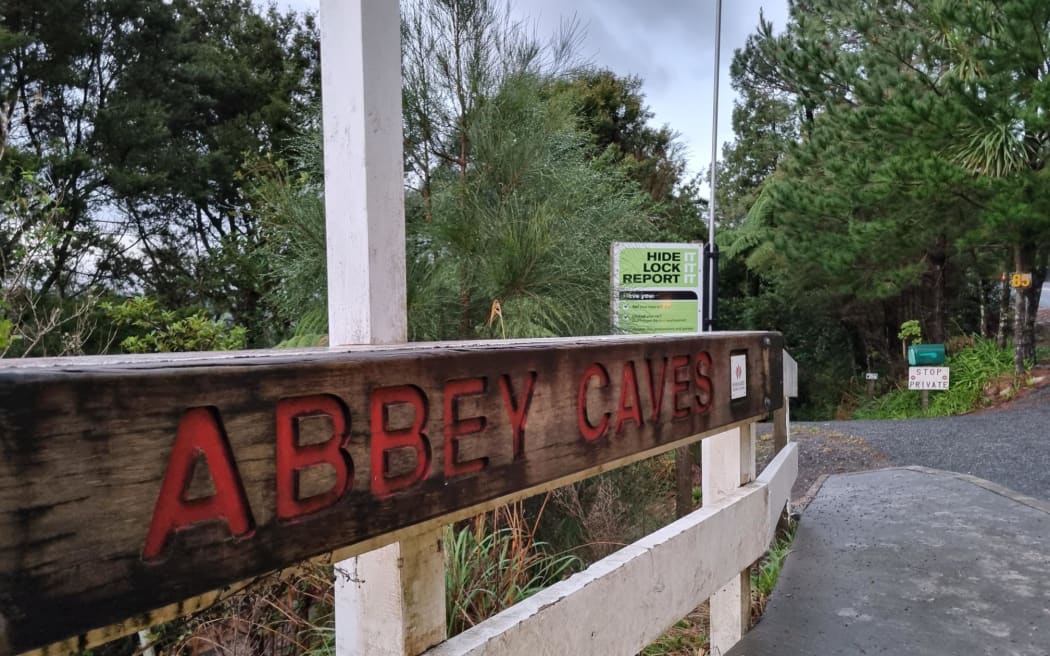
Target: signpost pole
(389,602)
(711,250)
(728,460)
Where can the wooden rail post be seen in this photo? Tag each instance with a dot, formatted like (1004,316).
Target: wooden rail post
(782,428)
(782,417)
(389,602)
(728,461)
(683,465)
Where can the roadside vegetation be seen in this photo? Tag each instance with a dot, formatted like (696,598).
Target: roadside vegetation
(982,375)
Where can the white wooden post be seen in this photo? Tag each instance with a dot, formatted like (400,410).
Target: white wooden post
(728,461)
(390,601)
(782,424)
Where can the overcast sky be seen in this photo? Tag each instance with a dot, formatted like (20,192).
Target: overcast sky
(668,43)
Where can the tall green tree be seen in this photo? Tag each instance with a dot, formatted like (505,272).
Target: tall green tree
(455,55)
(517,247)
(520,244)
(235,84)
(58,63)
(996,96)
(921,135)
(611,109)
(136,116)
(511,203)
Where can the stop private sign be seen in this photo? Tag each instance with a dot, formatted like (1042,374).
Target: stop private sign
(928,378)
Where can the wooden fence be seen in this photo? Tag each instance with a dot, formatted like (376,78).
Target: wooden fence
(135,489)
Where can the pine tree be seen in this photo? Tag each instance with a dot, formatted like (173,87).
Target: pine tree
(922,133)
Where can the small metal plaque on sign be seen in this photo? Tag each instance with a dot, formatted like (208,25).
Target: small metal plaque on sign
(738,376)
(871,376)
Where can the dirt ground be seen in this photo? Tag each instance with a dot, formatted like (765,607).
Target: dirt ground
(821,452)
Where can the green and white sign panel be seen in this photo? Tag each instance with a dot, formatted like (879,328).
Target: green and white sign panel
(656,288)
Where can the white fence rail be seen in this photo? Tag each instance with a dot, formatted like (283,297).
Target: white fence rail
(626,601)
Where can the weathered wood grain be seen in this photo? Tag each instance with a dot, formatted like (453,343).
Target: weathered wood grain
(86,447)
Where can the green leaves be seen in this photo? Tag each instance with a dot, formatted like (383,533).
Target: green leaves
(529,226)
(157,330)
(976,374)
(890,158)
(992,148)
(136,116)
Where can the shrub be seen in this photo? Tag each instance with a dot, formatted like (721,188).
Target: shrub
(972,369)
(601,514)
(157,330)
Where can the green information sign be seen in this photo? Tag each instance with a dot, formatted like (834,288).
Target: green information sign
(656,288)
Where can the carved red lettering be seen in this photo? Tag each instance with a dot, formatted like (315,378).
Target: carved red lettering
(702,379)
(679,369)
(630,407)
(384,439)
(455,426)
(589,431)
(293,458)
(200,432)
(656,388)
(517,409)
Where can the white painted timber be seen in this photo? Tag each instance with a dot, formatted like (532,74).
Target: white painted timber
(730,613)
(626,601)
(389,602)
(385,599)
(722,464)
(363,171)
(727,462)
(790,377)
(779,477)
(748,444)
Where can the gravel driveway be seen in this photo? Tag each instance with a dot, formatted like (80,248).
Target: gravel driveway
(1009,445)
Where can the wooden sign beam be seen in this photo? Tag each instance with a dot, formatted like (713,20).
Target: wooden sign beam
(127,484)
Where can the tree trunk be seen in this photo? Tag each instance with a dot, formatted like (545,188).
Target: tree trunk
(1032,295)
(464,313)
(1024,330)
(428,201)
(983,297)
(934,325)
(1004,313)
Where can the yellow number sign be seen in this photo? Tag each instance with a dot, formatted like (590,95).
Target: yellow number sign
(1021,280)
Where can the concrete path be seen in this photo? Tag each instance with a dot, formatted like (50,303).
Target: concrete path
(912,561)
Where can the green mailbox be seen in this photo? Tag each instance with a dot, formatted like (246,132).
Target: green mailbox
(925,355)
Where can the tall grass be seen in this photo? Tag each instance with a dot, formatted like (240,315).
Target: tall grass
(764,575)
(287,613)
(495,561)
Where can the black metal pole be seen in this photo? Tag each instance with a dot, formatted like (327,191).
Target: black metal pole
(711,276)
